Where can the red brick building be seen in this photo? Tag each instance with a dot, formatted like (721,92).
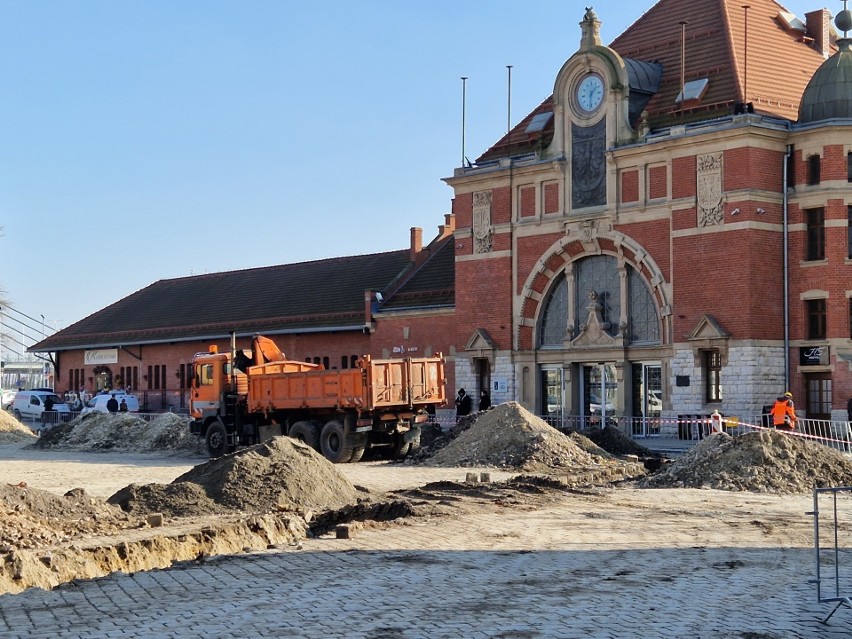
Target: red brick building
(671,231)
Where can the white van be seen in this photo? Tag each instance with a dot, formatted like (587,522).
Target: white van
(29,404)
(98,403)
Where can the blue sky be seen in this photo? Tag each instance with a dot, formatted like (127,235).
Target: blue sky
(150,140)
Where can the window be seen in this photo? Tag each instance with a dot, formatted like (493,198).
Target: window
(815,221)
(601,274)
(850,318)
(849,167)
(353,361)
(344,361)
(713,376)
(325,363)
(555,317)
(813,169)
(815,310)
(849,232)
(204,374)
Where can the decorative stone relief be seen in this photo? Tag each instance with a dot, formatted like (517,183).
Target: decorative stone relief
(709,177)
(595,332)
(588,165)
(482,234)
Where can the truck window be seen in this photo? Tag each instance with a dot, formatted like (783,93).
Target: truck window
(205,375)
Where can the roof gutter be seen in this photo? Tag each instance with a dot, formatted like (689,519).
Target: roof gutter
(196,338)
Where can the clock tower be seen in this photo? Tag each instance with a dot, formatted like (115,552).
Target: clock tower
(590,99)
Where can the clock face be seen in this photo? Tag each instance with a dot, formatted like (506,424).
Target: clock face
(590,92)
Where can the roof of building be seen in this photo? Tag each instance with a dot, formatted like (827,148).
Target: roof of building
(429,286)
(715,38)
(324,294)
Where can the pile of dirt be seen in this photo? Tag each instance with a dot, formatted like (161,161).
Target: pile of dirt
(33,518)
(14,432)
(760,461)
(614,441)
(509,436)
(124,432)
(283,474)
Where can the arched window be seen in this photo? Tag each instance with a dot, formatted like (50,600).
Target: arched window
(600,274)
(644,325)
(554,319)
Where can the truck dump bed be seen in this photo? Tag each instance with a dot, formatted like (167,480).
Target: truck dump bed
(412,382)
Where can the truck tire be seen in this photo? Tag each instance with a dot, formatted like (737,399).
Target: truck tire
(359,447)
(216,439)
(334,444)
(306,432)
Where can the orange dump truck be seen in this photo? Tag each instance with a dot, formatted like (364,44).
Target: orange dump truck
(381,403)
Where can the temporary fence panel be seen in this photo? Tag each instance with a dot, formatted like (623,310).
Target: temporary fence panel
(833,550)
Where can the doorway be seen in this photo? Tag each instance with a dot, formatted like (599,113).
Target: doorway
(599,394)
(553,395)
(818,395)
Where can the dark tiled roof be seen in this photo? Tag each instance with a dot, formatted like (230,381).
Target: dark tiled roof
(715,49)
(308,295)
(431,284)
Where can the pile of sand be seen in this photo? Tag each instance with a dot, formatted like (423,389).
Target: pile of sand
(282,474)
(124,432)
(760,461)
(509,436)
(33,518)
(14,432)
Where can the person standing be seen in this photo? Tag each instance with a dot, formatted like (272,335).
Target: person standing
(784,412)
(122,407)
(112,404)
(484,400)
(463,404)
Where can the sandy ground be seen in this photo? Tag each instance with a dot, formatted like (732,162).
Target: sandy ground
(634,517)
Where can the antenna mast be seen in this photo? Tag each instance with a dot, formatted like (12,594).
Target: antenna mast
(464,102)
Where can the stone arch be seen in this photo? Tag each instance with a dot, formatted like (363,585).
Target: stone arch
(569,249)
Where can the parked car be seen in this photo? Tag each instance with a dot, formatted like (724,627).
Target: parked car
(98,403)
(6,398)
(29,404)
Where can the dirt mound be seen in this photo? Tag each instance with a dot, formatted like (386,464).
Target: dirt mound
(184,499)
(282,474)
(509,436)
(32,518)
(760,461)
(612,440)
(168,433)
(12,431)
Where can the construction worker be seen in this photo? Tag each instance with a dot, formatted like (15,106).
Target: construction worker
(784,413)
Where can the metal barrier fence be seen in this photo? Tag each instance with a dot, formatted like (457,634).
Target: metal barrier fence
(834,557)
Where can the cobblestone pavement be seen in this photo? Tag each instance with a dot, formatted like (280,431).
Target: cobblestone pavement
(472,577)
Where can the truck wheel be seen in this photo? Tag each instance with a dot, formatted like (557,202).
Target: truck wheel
(359,447)
(334,445)
(306,432)
(18,415)
(216,439)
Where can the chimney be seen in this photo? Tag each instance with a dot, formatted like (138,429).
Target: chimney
(448,227)
(819,28)
(416,242)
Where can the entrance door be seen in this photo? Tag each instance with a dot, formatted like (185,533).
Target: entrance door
(599,394)
(552,395)
(818,399)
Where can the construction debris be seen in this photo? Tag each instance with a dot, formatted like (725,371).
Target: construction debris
(760,461)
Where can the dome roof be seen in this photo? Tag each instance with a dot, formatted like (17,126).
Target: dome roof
(829,93)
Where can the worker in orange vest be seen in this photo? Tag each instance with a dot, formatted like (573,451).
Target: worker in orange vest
(784,413)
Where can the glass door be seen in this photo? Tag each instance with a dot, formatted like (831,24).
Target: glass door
(553,393)
(599,389)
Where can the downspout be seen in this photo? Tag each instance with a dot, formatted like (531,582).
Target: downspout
(786,271)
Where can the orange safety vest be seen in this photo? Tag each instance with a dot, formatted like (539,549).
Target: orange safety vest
(783,412)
